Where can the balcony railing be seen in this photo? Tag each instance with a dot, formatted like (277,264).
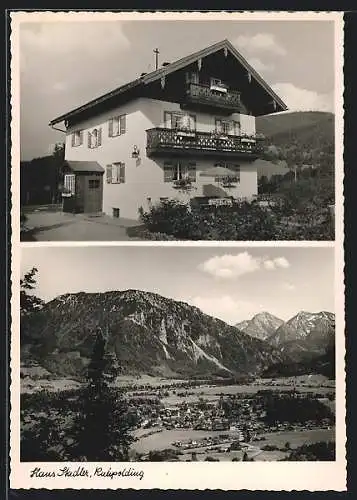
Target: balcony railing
(162,141)
(204,95)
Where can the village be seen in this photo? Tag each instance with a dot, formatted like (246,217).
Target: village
(223,423)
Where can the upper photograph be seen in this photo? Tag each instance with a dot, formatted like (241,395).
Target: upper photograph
(134,130)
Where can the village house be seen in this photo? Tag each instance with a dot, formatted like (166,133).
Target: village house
(183,131)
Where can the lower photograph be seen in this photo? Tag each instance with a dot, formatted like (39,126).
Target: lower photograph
(177,354)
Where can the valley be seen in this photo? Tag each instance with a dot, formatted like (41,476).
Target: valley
(193,387)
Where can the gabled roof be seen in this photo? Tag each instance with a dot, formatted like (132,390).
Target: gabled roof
(85,166)
(170,68)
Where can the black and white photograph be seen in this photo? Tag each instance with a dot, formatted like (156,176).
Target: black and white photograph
(177,354)
(177,289)
(177,130)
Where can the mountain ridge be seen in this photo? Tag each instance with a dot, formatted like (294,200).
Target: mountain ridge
(147,332)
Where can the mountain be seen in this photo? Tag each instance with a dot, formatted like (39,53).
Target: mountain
(323,364)
(147,332)
(304,137)
(261,326)
(299,124)
(305,335)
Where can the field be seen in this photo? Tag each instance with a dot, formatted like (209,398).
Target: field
(172,411)
(164,439)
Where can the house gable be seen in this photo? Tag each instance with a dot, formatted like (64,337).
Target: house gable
(221,61)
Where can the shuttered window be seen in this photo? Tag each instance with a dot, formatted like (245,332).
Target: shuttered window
(77,138)
(231,167)
(117,126)
(227,127)
(95,138)
(192,172)
(178,171)
(180,121)
(109,172)
(168,172)
(116,173)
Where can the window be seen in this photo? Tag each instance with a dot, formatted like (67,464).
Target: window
(77,138)
(117,126)
(179,121)
(230,177)
(70,184)
(93,183)
(177,171)
(192,77)
(216,82)
(95,138)
(227,127)
(116,173)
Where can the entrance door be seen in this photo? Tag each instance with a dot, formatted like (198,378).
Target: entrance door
(93,193)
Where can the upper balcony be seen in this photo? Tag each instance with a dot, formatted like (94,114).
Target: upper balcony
(213,97)
(164,141)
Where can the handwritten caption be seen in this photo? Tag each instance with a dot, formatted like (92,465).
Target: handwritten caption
(85,472)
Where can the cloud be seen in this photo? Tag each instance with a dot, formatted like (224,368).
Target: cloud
(298,99)
(289,287)
(261,42)
(233,266)
(259,65)
(81,39)
(226,307)
(276,263)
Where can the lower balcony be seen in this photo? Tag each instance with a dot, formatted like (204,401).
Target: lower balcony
(164,141)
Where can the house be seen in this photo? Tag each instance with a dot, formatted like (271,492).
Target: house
(185,130)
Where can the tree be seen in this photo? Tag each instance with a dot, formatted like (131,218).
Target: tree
(102,428)
(58,160)
(29,303)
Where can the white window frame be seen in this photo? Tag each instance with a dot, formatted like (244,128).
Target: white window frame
(77,138)
(69,184)
(118,173)
(117,125)
(179,116)
(180,170)
(94,138)
(234,127)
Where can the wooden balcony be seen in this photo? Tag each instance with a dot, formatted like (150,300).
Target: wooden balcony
(203,96)
(174,142)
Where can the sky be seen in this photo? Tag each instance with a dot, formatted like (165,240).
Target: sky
(65,64)
(231,283)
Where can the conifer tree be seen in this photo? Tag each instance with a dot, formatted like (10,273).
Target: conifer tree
(102,429)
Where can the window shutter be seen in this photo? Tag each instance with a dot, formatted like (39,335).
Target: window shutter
(218,125)
(81,137)
(73,139)
(110,127)
(168,172)
(123,124)
(89,140)
(192,122)
(109,170)
(237,128)
(167,119)
(237,171)
(99,138)
(192,172)
(122,173)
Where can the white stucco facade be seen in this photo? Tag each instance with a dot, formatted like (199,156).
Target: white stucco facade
(144,180)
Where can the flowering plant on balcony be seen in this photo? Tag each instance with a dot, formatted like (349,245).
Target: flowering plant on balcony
(228,181)
(184,183)
(218,135)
